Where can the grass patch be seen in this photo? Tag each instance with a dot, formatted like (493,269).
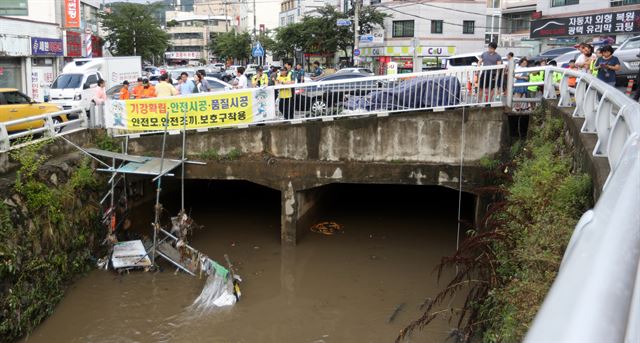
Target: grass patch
(215,155)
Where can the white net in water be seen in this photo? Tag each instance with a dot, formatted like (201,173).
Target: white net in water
(219,289)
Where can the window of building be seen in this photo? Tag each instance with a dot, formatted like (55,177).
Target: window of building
(403,28)
(282,21)
(517,22)
(436,26)
(468,26)
(493,3)
(14,7)
(557,3)
(290,19)
(615,3)
(488,38)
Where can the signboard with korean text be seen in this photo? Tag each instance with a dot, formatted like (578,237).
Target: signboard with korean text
(183,54)
(72,13)
(73,44)
(592,24)
(202,110)
(46,46)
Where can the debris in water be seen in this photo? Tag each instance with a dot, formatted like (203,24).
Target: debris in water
(395,313)
(425,304)
(327,228)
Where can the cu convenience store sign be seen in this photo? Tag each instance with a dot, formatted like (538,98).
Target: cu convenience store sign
(593,24)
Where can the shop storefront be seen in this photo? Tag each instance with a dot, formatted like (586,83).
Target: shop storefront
(13,49)
(428,57)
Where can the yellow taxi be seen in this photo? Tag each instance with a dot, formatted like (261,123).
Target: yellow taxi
(16,105)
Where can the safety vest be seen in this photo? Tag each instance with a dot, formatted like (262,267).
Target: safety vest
(264,80)
(557,77)
(593,69)
(535,78)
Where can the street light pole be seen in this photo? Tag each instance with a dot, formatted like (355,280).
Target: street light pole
(356,28)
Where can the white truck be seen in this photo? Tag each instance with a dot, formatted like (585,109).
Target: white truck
(76,86)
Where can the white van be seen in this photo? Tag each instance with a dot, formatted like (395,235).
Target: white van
(76,86)
(462,60)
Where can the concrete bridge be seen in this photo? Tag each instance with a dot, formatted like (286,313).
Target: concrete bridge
(599,276)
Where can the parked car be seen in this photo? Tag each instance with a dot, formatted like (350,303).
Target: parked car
(421,92)
(563,60)
(220,76)
(216,67)
(217,85)
(551,54)
(365,71)
(628,53)
(322,99)
(16,105)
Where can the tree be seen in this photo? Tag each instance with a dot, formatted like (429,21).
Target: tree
(133,31)
(232,45)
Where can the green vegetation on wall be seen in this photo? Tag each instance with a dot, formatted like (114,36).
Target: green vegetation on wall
(507,265)
(49,225)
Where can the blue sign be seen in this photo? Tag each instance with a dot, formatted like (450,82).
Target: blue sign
(356,52)
(343,22)
(46,46)
(258,50)
(366,39)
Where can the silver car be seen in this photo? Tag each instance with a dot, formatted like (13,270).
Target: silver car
(627,53)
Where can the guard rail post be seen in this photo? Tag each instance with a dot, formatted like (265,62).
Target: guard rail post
(83,116)
(98,116)
(48,123)
(510,76)
(4,138)
(549,89)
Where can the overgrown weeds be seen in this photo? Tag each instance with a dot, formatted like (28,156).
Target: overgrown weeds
(507,264)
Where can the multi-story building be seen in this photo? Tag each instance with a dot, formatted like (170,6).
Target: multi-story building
(36,37)
(508,23)
(566,22)
(417,35)
(191,36)
(292,11)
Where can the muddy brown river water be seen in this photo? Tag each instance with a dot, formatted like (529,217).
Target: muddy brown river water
(340,288)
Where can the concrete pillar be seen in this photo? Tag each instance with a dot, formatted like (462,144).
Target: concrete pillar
(297,211)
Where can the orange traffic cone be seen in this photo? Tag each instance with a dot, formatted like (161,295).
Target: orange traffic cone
(629,87)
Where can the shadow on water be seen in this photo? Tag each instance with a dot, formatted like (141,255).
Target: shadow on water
(338,288)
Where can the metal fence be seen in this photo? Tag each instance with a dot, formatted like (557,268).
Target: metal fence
(40,127)
(596,295)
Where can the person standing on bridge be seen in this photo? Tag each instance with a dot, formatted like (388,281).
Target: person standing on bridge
(185,85)
(243,82)
(164,88)
(137,90)
(124,91)
(286,98)
(488,78)
(260,79)
(607,65)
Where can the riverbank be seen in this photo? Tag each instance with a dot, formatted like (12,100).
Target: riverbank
(49,228)
(508,263)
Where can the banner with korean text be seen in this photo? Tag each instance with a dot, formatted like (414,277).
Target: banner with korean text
(72,13)
(202,110)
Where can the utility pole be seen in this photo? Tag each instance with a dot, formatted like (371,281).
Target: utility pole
(356,28)
(226,19)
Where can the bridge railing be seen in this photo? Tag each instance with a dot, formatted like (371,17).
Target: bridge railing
(596,295)
(44,126)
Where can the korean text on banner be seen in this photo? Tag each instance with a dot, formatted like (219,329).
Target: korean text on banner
(202,110)
(72,13)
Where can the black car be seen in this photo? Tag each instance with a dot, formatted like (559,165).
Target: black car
(220,75)
(550,54)
(327,99)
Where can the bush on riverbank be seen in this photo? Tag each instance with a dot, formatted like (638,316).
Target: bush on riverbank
(49,226)
(510,263)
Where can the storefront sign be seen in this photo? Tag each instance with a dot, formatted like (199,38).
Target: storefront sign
(408,51)
(202,110)
(74,44)
(14,46)
(194,55)
(72,13)
(593,24)
(46,46)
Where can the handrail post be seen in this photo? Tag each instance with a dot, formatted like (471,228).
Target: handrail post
(4,138)
(510,76)
(48,123)
(549,88)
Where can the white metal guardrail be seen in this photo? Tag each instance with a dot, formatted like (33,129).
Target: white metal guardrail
(50,125)
(349,96)
(596,295)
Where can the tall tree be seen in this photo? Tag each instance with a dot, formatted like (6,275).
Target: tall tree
(133,30)
(232,45)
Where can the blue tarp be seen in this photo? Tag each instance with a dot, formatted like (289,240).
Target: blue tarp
(417,93)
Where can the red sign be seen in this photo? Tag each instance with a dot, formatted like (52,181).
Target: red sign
(74,44)
(72,13)
(536,15)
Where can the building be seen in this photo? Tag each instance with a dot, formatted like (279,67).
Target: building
(292,11)
(36,37)
(418,35)
(190,36)
(508,23)
(567,22)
